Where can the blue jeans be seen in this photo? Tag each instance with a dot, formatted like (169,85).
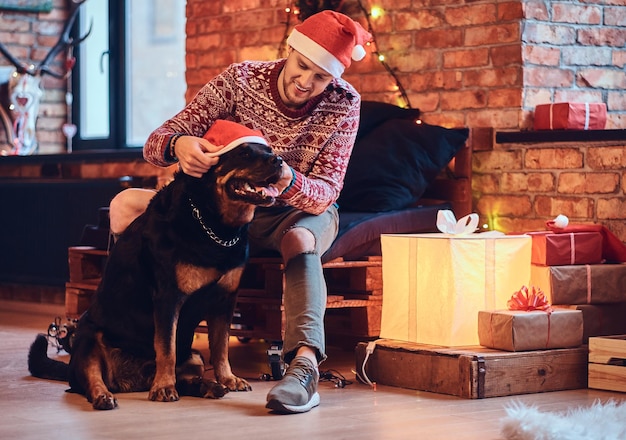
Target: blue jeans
(305,293)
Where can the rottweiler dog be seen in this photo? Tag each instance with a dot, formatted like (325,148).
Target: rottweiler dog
(178,263)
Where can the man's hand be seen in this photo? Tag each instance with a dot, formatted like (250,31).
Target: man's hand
(192,156)
(285,178)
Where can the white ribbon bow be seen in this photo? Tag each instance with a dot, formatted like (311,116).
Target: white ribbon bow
(448,224)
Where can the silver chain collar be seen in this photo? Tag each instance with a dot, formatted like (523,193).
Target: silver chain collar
(212,235)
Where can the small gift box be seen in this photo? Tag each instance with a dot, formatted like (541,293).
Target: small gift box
(515,330)
(551,249)
(570,116)
(530,324)
(581,284)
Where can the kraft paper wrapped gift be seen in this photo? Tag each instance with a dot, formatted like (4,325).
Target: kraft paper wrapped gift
(552,249)
(570,116)
(601,319)
(434,285)
(581,284)
(515,330)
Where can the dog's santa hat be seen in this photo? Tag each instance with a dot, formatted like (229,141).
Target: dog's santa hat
(330,40)
(229,135)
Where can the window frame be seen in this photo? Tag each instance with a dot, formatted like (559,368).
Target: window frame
(117,86)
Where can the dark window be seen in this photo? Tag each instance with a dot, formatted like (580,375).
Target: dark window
(130,72)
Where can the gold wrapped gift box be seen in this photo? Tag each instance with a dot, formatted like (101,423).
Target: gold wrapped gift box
(514,330)
(435,284)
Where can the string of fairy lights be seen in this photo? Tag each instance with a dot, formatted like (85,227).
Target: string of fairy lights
(293,14)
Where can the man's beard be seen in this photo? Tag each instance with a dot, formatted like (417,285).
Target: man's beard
(290,90)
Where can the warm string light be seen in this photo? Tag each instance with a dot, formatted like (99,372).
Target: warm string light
(291,11)
(374,13)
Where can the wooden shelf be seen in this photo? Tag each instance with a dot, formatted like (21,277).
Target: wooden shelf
(540,136)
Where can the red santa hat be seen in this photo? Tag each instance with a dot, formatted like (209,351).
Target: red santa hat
(331,40)
(229,135)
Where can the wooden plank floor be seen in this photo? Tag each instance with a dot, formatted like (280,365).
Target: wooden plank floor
(35,409)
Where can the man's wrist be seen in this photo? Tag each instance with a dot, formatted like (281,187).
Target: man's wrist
(292,182)
(171,146)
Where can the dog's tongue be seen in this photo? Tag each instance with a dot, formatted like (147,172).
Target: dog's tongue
(269,191)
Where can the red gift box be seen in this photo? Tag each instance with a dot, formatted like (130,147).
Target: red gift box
(570,116)
(551,249)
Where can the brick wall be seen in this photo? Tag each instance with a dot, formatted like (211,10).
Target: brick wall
(460,62)
(517,187)
(473,63)
(575,51)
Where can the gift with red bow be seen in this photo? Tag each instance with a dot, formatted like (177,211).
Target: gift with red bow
(530,323)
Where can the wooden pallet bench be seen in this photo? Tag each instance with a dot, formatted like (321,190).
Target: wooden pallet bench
(353,306)
(354,302)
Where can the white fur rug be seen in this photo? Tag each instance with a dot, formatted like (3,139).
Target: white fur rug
(597,422)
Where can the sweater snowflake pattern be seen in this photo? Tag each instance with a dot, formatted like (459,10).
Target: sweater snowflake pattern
(315,140)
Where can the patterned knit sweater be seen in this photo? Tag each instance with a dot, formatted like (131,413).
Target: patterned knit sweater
(315,140)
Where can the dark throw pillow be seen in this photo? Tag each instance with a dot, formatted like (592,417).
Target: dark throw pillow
(391,167)
(374,113)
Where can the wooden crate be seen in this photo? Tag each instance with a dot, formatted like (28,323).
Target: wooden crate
(86,265)
(258,318)
(473,372)
(360,318)
(262,318)
(607,363)
(78,298)
(354,301)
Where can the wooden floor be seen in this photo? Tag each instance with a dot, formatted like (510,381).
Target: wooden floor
(35,409)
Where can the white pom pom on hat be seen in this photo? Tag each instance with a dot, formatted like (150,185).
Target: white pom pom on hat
(330,40)
(230,135)
(358,53)
(561,221)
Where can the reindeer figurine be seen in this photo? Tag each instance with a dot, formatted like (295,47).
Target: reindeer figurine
(25,90)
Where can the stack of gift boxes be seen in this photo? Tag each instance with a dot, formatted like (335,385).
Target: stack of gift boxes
(567,284)
(572,270)
(586,295)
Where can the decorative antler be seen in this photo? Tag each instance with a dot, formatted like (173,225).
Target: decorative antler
(19,66)
(65,42)
(25,90)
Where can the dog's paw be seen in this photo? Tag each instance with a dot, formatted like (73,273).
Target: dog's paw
(212,390)
(234,383)
(200,387)
(105,401)
(163,394)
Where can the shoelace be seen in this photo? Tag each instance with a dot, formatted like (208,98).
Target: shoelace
(301,371)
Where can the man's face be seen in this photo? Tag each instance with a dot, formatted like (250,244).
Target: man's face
(301,80)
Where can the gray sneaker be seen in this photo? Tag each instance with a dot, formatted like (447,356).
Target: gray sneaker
(297,390)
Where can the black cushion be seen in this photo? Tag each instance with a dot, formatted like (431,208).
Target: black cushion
(392,165)
(359,232)
(374,113)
